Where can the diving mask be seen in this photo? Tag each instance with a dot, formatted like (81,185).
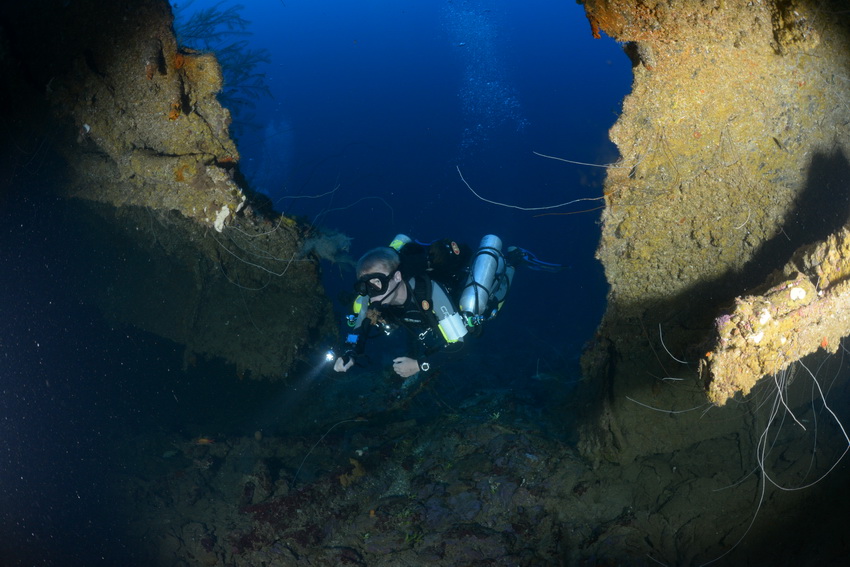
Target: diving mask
(373,285)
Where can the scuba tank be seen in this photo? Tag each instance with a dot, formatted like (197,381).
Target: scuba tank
(400,241)
(488,281)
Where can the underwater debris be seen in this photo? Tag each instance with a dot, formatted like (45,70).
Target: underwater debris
(328,245)
(806,310)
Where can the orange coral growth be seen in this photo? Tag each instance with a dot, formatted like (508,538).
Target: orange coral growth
(347,479)
(602,17)
(620,19)
(179,61)
(594,26)
(178,173)
(174,113)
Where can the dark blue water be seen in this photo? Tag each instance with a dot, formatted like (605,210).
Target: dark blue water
(380,103)
(65,401)
(375,105)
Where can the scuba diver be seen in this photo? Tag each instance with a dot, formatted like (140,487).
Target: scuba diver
(434,292)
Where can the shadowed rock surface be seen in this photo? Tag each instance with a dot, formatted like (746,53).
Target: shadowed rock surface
(733,145)
(172,247)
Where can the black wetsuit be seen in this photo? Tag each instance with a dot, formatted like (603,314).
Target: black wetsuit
(425,340)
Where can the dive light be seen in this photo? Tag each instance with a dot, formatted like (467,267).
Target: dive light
(330,356)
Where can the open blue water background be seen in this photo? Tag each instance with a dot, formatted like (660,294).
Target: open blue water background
(381,102)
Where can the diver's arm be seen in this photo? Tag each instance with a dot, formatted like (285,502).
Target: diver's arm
(426,360)
(353,350)
(405,366)
(431,343)
(355,343)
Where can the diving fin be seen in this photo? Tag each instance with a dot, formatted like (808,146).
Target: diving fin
(516,256)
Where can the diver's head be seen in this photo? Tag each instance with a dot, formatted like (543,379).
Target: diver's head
(383,259)
(379,278)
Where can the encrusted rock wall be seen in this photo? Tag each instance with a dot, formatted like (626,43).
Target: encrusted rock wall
(246,296)
(172,246)
(733,145)
(805,308)
(150,129)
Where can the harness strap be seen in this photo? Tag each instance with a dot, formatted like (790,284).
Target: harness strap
(432,300)
(422,292)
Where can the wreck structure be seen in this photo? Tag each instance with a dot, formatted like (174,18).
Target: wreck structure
(724,241)
(732,183)
(148,150)
(724,229)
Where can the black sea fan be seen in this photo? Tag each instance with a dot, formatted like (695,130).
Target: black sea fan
(223,30)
